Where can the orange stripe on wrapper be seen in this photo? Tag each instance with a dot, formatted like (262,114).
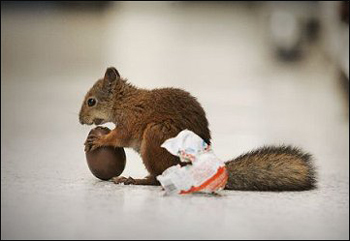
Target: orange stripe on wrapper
(217,181)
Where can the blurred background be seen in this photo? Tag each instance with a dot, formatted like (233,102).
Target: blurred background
(265,72)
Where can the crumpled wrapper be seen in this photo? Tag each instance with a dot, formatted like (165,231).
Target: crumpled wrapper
(205,173)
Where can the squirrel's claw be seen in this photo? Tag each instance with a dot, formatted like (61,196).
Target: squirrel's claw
(130,181)
(124,180)
(118,180)
(92,143)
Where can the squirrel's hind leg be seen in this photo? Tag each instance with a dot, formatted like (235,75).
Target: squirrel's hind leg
(156,158)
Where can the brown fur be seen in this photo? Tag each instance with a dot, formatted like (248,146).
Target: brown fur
(146,118)
(272,168)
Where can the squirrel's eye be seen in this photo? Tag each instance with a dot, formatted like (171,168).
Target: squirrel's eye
(91,102)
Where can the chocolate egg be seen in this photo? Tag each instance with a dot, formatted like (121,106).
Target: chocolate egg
(105,162)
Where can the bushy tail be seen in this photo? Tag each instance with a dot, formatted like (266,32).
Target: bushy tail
(282,168)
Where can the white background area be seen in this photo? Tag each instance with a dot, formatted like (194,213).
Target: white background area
(219,53)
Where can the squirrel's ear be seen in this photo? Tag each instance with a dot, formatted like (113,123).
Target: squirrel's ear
(112,74)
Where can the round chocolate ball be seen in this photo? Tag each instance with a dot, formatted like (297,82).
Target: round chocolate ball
(105,162)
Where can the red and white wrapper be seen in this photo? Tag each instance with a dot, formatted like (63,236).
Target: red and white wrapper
(206,174)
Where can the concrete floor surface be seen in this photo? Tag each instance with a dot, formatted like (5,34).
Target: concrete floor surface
(50,58)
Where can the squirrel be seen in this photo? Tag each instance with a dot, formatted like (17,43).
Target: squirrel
(144,119)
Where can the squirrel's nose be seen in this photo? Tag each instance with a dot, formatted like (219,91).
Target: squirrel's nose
(81,120)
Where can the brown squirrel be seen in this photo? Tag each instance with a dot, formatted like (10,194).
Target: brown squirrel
(144,119)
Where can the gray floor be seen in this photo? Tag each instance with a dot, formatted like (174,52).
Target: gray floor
(49,58)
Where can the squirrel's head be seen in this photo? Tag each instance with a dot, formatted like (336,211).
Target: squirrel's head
(98,102)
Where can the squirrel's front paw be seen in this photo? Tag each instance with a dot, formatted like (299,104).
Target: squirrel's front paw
(93,142)
(124,180)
